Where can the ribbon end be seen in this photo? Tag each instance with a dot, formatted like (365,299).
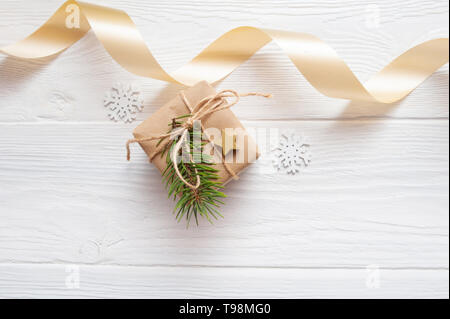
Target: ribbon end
(128,149)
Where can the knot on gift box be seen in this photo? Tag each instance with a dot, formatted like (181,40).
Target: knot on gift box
(203,108)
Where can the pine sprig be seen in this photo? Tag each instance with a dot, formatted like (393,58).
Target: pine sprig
(206,199)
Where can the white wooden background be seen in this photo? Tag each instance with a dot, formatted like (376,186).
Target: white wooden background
(375,197)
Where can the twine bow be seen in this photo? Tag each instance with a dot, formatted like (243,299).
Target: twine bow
(203,108)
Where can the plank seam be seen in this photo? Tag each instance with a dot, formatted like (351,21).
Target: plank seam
(354,119)
(431,268)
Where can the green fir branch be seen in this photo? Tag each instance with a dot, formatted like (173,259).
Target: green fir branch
(193,203)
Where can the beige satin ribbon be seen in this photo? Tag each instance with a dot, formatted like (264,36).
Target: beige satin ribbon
(318,62)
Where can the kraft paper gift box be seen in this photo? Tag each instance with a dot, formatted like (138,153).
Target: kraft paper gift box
(157,124)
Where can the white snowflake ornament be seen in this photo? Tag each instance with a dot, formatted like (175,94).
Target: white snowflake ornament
(123,102)
(292,154)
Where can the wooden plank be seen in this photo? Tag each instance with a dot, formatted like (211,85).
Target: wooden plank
(376,193)
(51,89)
(71,281)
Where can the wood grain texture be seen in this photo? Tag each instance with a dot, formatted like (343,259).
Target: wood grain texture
(48,281)
(375,194)
(62,96)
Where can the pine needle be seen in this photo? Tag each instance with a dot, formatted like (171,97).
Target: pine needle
(202,201)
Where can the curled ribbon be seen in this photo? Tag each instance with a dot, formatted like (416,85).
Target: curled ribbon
(317,61)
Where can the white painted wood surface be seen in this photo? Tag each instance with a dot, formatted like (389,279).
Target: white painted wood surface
(375,196)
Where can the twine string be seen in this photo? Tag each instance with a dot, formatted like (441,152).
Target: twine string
(205,107)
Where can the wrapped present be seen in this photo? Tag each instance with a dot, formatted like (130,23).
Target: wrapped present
(195,173)
(221,125)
